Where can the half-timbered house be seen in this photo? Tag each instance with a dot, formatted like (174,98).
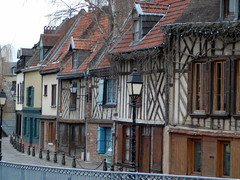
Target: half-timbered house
(202,60)
(51,48)
(140,46)
(85,48)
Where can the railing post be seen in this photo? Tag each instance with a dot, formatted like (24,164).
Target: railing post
(74,162)
(33,151)
(55,157)
(48,156)
(63,159)
(40,153)
(28,152)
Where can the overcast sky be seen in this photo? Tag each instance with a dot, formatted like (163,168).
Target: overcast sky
(22,22)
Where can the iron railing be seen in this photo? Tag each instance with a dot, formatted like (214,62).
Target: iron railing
(16,171)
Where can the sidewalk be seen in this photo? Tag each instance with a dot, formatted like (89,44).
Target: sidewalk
(10,154)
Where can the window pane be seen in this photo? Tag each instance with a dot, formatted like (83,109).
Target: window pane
(197,156)
(111,94)
(226,160)
(231,7)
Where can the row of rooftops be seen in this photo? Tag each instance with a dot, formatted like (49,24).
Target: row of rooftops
(90,31)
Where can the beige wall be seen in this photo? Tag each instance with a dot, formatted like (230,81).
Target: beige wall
(34,79)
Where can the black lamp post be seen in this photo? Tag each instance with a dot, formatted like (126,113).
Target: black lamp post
(3,99)
(134,84)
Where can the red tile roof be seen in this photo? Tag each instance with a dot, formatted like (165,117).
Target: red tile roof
(84,44)
(155,36)
(154,7)
(94,41)
(49,39)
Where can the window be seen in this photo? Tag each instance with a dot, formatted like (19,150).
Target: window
(209,79)
(73,101)
(74,60)
(229,9)
(53,98)
(107,92)
(126,143)
(224,158)
(220,86)
(30,96)
(199,87)
(195,155)
(104,139)
(45,90)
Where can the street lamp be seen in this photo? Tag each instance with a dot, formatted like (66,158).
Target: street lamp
(134,84)
(3,99)
(73,87)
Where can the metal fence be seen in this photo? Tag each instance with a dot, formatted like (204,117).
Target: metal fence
(15,171)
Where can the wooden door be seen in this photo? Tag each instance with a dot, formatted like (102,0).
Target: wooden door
(145,150)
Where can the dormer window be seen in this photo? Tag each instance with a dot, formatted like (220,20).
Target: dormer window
(74,60)
(229,10)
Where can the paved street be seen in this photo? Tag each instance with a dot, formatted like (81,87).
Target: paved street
(10,154)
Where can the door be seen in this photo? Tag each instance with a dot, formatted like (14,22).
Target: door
(145,151)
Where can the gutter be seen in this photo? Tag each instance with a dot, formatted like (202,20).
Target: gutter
(70,75)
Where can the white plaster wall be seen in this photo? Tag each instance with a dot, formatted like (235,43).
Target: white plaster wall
(49,80)
(20,78)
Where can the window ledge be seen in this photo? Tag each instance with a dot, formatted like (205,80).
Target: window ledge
(219,115)
(236,116)
(53,106)
(109,105)
(199,114)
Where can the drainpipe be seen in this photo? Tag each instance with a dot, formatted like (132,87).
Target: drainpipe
(86,114)
(57,118)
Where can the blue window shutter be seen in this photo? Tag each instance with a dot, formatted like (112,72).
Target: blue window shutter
(101,140)
(100,91)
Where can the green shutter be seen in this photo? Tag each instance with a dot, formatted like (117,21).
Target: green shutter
(32,96)
(101,140)
(100,92)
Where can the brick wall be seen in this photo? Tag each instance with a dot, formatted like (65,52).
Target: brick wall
(92,145)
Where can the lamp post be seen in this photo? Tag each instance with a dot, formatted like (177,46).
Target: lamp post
(3,99)
(134,84)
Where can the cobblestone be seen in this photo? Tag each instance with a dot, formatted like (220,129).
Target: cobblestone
(10,154)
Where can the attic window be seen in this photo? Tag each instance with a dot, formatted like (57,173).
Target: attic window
(74,60)
(230,9)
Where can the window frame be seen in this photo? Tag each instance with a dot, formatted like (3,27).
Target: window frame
(30,96)
(105,92)
(73,102)
(211,77)
(225,12)
(75,59)
(54,96)
(45,90)
(202,92)
(222,158)
(192,156)
(127,142)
